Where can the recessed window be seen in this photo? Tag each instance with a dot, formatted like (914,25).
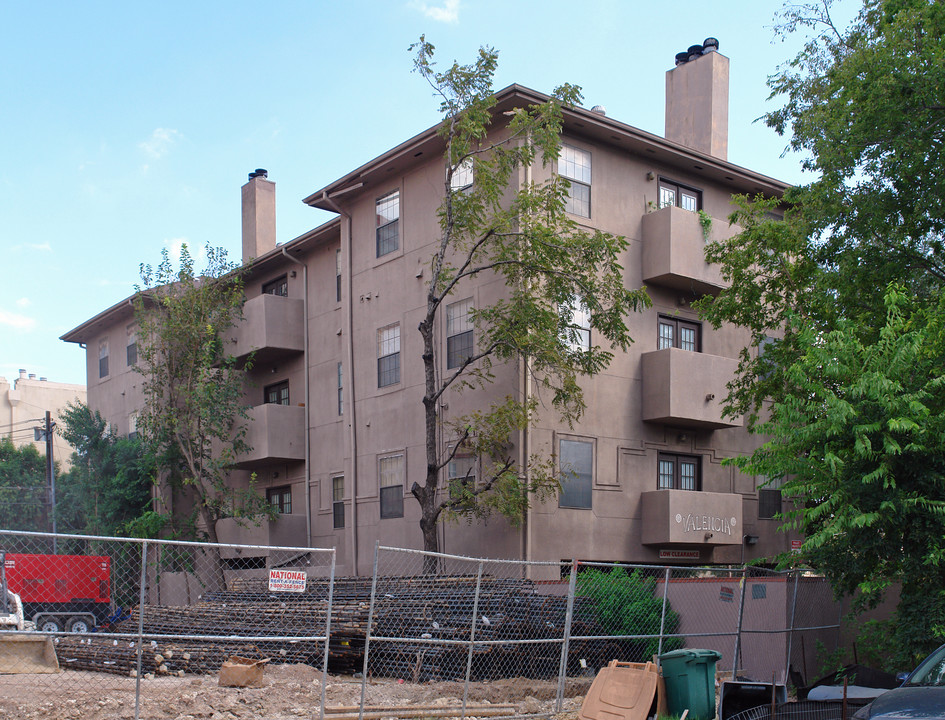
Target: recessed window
(279,286)
(575,165)
(679,472)
(459,333)
(578,332)
(338,275)
(673,194)
(461,473)
(277,393)
(576,472)
(133,426)
(387,209)
(103,358)
(679,333)
(338,501)
(341,391)
(131,345)
(281,499)
(462,176)
(391,475)
(388,355)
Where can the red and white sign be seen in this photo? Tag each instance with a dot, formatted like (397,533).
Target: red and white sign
(796,545)
(286,581)
(679,555)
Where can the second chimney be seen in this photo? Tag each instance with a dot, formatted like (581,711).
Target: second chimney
(259,215)
(697,101)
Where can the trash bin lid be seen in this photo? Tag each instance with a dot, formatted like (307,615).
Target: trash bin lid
(690,654)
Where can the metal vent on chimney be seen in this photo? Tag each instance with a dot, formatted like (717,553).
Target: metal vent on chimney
(259,172)
(709,45)
(599,109)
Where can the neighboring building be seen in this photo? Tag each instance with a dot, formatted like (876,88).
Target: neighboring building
(335,390)
(23,406)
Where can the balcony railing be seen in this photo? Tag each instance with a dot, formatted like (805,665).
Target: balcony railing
(276,433)
(687,389)
(686,517)
(674,251)
(272,326)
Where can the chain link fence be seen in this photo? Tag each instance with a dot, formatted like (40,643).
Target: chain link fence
(146,621)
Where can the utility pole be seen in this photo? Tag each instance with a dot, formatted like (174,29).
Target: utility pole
(47,432)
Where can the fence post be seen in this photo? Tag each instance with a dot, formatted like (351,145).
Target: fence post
(472,637)
(663,616)
(143,582)
(566,639)
(738,632)
(367,632)
(328,611)
(790,644)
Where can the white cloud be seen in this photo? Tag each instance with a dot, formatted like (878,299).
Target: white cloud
(174,246)
(18,322)
(447,13)
(41,247)
(23,302)
(158,145)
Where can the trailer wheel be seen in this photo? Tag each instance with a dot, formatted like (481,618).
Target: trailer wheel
(50,624)
(79,624)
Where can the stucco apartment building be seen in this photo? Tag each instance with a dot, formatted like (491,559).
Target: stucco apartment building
(23,406)
(337,382)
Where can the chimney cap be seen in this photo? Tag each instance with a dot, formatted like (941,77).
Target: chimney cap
(259,172)
(599,109)
(710,44)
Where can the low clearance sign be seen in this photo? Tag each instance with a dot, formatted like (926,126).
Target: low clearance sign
(286,581)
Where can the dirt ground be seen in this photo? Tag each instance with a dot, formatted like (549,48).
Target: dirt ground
(290,691)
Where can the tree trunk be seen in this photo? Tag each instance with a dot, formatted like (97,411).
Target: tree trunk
(426,495)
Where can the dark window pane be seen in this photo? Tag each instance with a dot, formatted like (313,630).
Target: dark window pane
(277,394)
(458,348)
(131,353)
(103,366)
(577,463)
(388,238)
(392,501)
(279,286)
(388,370)
(769,503)
(338,515)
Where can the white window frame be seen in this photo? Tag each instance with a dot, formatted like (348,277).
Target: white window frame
(390,481)
(574,163)
(459,327)
(388,351)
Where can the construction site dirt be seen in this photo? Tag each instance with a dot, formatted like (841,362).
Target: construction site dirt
(289,691)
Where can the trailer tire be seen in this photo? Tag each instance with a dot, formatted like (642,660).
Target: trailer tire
(49,624)
(81,624)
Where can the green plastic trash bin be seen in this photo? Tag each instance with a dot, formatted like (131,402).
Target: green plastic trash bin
(690,682)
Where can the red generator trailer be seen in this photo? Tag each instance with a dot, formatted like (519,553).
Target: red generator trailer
(61,592)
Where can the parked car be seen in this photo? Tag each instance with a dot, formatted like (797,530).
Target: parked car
(920,697)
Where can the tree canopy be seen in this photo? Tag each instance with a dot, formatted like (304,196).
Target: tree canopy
(843,298)
(493,224)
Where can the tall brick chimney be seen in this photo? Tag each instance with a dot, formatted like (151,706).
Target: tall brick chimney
(697,100)
(259,215)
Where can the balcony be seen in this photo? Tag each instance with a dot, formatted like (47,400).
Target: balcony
(686,517)
(272,327)
(276,433)
(686,389)
(674,251)
(284,531)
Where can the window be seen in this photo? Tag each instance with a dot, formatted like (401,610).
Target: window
(279,286)
(388,355)
(387,209)
(576,463)
(769,499)
(338,501)
(675,195)
(133,426)
(391,474)
(679,472)
(338,275)
(579,328)
(103,358)
(281,499)
(341,391)
(131,346)
(459,333)
(277,394)
(575,165)
(462,176)
(461,472)
(678,333)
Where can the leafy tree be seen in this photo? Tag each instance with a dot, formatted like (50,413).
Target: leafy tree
(111,477)
(843,298)
(23,488)
(551,268)
(194,420)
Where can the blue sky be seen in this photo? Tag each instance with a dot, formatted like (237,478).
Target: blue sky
(128,127)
